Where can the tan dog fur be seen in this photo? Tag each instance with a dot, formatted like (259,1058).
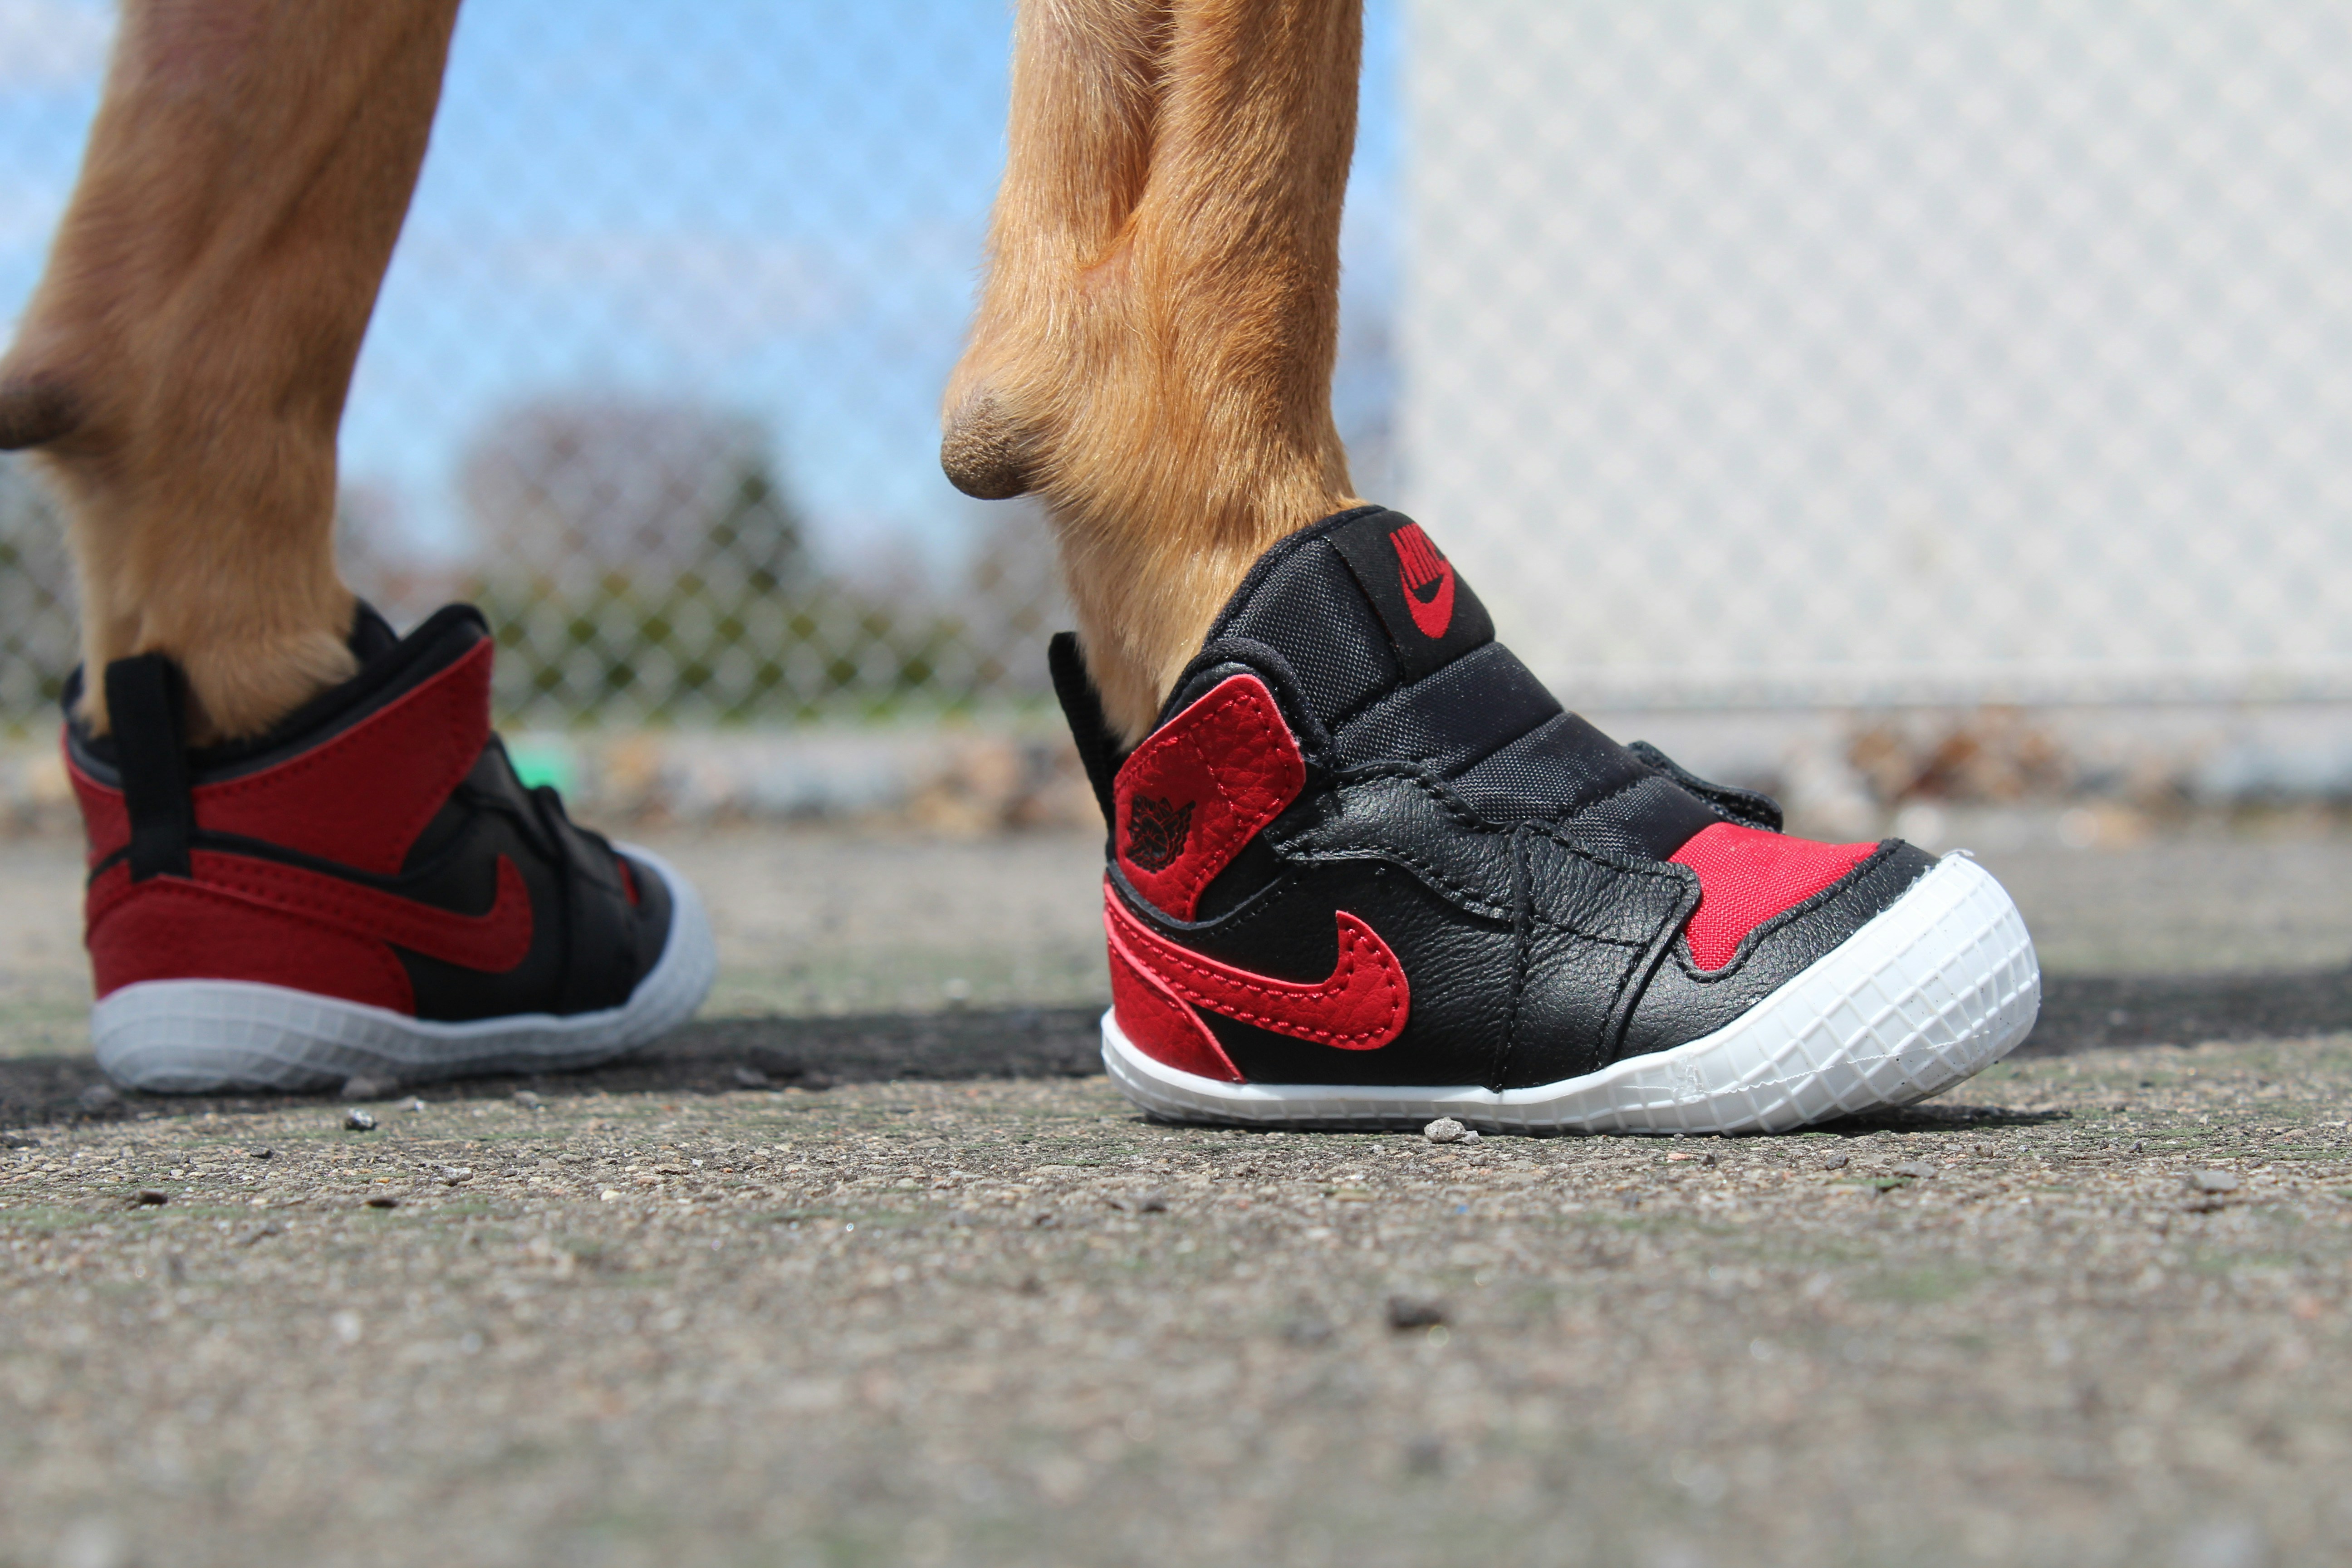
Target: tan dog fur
(1152,355)
(184,361)
(1155,340)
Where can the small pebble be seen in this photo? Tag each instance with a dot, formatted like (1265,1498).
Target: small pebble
(100,1097)
(1915,1168)
(1445,1130)
(150,1197)
(753,1078)
(261,1154)
(1408,1312)
(385,1201)
(359,1086)
(416,1105)
(451,1175)
(359,1120)
(1837,1161)
(526,1100)
(2213,1181)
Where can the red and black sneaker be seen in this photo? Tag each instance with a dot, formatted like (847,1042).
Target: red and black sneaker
(366,891)
(1367,872)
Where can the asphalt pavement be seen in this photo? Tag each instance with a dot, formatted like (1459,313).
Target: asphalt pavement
(870,1264)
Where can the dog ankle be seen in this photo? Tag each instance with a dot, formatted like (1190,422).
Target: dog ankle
(235,693)
(240,688)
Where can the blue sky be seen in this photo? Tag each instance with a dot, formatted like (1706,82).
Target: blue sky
(771,208)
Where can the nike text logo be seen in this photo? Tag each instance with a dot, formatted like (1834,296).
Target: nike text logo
(1427,578)
(490,943)
(1361,1008)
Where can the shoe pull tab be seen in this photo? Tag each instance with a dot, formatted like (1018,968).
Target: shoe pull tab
(1082,706)
(146,701)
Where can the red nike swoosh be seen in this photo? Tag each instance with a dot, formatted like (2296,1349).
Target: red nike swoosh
(1361,1008)
(1434,616)
(490,944)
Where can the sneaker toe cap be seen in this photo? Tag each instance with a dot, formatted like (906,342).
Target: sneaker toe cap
(1683,1002)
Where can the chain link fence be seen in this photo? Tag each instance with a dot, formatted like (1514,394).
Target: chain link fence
(655,373)
(1763,353)
(1800,354)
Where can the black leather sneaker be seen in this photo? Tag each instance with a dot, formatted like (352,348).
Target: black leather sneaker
(1367,872)
(366,891)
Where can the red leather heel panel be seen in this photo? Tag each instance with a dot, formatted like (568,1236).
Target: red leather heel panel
(170,928)
(362,797)
(1746,876)
(1195,793)
(1164,1028)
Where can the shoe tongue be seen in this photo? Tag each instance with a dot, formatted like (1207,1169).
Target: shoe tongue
(1430,615)
(1358,603)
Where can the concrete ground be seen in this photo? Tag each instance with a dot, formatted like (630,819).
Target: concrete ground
(865,1266)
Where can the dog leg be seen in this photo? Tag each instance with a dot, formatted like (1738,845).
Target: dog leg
(1152,355)
(182,365)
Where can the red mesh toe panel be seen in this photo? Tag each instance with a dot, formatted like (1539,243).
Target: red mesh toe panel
(1746,876)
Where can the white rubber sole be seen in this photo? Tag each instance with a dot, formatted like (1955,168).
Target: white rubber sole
(189,1036)
(1939,986)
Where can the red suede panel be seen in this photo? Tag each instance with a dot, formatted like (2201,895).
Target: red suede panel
(105,820)
(1361,1008)
(1162,1027)
(1207,781)
(1746,876)
(169,929)
(362,797)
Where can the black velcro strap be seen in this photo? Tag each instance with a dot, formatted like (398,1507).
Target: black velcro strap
(1752,808)
(145,701)
(1082,706)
